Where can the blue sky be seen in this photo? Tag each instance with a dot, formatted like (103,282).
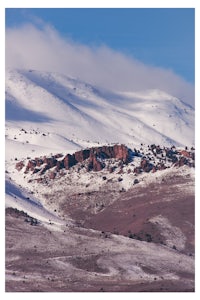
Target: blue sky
(124,50)
(160,37)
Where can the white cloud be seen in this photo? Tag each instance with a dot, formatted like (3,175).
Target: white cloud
(44,49)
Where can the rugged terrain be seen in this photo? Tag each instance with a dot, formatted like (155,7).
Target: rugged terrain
(103,237)
(84,213)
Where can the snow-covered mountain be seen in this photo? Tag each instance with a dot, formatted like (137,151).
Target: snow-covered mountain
(119,217)
(49,112)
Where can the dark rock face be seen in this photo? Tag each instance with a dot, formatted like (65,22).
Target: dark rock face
(69,161)
(50,161)
(81,155)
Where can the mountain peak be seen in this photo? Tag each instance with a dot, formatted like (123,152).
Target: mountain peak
(73,114)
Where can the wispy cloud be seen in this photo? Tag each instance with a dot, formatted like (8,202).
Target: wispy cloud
(43,48)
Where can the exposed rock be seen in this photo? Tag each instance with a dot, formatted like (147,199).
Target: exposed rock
(154,169)
(145,165)
(44,169)
(136,181)
(185,153)
(96,155)
(95,163)
(81,155)
(161,166)
(50,161)
(137,170)
(120,179)
(69,161)
(36,170)
(121,152)
(93,159)
(19,165)
(30,166)
(39,162)
(52,175)
(59,165)
(111,169)
(181,162)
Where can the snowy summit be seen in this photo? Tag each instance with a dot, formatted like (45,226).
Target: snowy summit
(62,113)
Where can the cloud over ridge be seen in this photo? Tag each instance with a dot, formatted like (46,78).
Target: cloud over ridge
(43,48)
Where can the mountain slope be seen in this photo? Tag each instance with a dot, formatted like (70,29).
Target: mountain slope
(71,113)
(111,218)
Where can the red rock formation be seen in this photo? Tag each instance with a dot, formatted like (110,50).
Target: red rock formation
(182,161)
(96,155)
(144,163)
(39,161)
(97,165)
(69,161)
(154,169)
(44,169)
(59,165)
(118,151)
(30,166)
(50,161)
(185,153)
(81,155)
(52,175)
(121,152)
(19,165)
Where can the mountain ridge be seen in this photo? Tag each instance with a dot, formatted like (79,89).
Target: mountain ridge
(75,110)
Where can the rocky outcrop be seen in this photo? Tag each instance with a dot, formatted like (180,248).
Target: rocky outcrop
(19,165)
(69,161)
(95,163)
(82,155)
(95,156)
(94,159)
(145,165)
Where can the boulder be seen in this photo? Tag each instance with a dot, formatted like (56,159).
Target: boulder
(135,181)
(19,165)
(137,170)
(144,163)
(52,175)
(185,153)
